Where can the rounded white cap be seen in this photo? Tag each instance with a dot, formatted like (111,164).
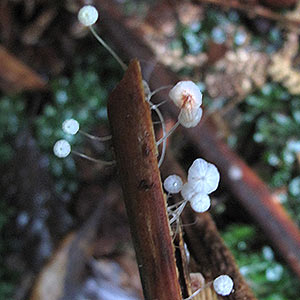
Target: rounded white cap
(223,285)
(204,176)
(200,203)
(62,148)
(184,89)
(173,184)
(88,15)
(70,126)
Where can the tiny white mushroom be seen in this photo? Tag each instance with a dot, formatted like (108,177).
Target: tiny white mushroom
(200,202)
(223,285)
(184,93)
(203,176)
(70,126)
(173,184)
(88,15)
(62,148)
(190,118)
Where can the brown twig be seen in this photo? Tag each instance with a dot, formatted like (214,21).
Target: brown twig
(136,155)
(15,76)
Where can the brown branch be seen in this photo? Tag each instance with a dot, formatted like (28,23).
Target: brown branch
(136,155)
(15,76)
(253,194)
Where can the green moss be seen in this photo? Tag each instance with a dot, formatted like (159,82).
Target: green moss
(275,115)
(269,279)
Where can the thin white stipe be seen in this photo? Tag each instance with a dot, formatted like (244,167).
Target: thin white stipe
(163,126)
(161,103)
(156,122)
(178,212)
(175,205)
(158,90)
(168,134)
(105,163)
(96,138)
(198,291)
(110,50)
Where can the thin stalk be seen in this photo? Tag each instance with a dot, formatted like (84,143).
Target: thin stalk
(110,50)
(163,126)
(198,291)
(168,134)
(178,212)
(175,205)
(96,138)
(158,90)
(99,161)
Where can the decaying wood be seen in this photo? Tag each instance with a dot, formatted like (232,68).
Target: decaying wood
(15,76)
(50,282)
(63,275)
(136,155)
(250,190)
(182,262)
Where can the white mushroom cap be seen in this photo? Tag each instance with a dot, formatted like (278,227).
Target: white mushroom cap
(186,91)
(173,184)
(190,118)
(187,191)
(62,148)
(88,15)
(203,176)
(223,285)
(200,203)
(70,126)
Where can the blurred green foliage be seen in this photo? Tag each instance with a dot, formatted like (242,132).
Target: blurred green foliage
(276,118)
(81,96)
(269,279)
(216,26)
(11,116)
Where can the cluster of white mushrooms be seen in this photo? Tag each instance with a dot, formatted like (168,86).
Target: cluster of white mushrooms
(62,148)
(203,177)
